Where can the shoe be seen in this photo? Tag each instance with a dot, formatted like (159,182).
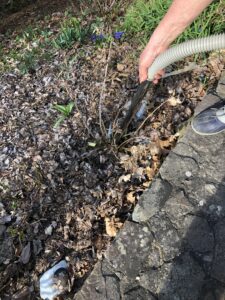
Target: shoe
(210,121)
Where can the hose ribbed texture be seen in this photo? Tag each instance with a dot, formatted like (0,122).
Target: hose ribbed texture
(176,53)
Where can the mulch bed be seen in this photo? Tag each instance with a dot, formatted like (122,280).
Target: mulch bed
(66,191)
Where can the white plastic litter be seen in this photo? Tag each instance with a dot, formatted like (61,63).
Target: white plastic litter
(48,288)
(142,110)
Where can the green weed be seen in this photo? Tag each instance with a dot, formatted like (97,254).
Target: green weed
(142,17)
(65,111)
(28,60)
(71,31)
(30,34)
(16,232)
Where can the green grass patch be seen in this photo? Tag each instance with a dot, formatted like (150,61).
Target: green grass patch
(71,31)
(143,16)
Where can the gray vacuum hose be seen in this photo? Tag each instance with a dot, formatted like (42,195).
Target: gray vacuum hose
(176,53)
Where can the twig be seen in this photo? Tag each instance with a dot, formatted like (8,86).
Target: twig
(111,4)
(130,139)
(102,95)
(150,115)
(188,68)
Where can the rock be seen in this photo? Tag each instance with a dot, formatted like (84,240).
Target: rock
(166,236)
(181,279)
(138,293)
(198,234)
(221,86)
(123,252)
(218,266)
(151,200)
(103,285)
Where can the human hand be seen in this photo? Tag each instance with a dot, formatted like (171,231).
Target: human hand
(147,57)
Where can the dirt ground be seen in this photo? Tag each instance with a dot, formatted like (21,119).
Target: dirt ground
(29,13)
(66,191)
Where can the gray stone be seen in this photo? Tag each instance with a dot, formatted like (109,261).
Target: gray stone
(197,233)
(100,285)
(176,166)
(218,267)
(177,207)
(221,86)
(130,249)
(152,200)
(166,236)
(138,293)
(180,280)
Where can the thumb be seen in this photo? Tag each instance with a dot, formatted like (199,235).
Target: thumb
(143,73)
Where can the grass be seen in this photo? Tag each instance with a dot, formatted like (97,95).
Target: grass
(71,31)
(143,16)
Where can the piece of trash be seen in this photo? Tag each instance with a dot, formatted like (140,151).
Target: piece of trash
(55,281)
(142,110)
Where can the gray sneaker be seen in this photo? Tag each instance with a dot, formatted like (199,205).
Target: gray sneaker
(211,120)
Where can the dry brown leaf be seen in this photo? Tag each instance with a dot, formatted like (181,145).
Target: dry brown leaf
(150,173)
(124,178)
(167,143)
(110,227)
(139,171)
(173,101)
(130,197)
(120,67)
(155,149)
(146,184)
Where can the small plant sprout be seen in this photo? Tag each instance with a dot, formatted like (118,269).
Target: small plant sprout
(71,31)
(65,111)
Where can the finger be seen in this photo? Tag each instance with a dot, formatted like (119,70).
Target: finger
(161,72)
(157,76)
(143,73)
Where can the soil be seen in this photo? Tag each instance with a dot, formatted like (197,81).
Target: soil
(66,191)
(29,12)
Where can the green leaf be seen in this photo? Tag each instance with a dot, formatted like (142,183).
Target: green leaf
(59,121)
(69,107)
(92,144)
(60,108)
